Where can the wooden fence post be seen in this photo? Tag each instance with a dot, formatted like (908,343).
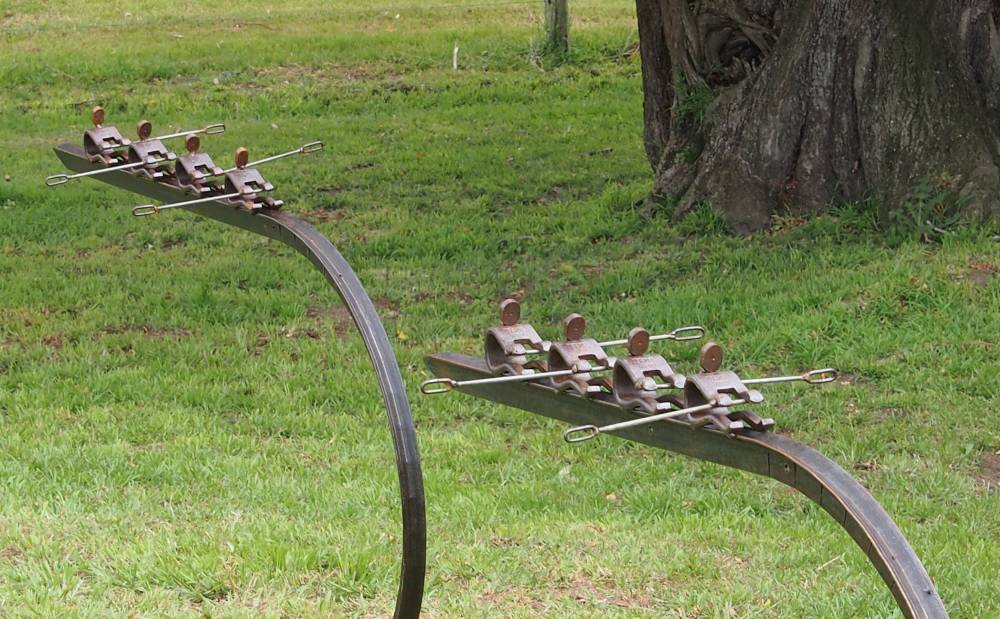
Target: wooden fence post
(557,25)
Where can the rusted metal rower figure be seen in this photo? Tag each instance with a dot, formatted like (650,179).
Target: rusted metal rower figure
(147,156)
(701,415)
(570,365)
(103,143)
(195,170)
(242,186)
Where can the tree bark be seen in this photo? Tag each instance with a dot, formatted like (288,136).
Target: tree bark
(819,102)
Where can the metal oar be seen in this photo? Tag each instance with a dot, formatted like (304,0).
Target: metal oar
(815,377)
(144,129)
(682,334)
(677,335)
(215,129)
(242,155)
(153,209)
(590,431)
(59,179)
(444,385)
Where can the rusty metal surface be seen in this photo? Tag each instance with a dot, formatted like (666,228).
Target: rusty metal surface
(637,377)
(765,453)
(580,355)
(317,248)
(102,142)
(193,170)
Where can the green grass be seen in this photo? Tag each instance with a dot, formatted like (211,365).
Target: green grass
(188,424)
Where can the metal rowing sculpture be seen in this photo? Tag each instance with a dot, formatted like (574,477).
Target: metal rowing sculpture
(638,396)
(641,397)
(147,167)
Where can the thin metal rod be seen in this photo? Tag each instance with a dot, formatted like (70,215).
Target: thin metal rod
(444,385)
(590,431)
(305,149)
(677,335)
(215,129)
(59,179)
(815,377)
(152,209)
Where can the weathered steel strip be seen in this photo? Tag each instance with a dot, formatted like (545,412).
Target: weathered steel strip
(764,453)
(320,251)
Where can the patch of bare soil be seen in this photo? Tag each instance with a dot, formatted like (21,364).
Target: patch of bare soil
(291,73)
(293,333)
(887,413)
(263,339)
(172,242)
(335,315)
(387,308)
(54,341)
(867,465)
(322,214)
(461,297)
(581,588)
(458,296)
(551,195)
(981,273)
(989,470)
(146,330)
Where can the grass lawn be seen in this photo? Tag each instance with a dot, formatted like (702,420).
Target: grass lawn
(188,424)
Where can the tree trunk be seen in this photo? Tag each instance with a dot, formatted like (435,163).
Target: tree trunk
(765,107)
